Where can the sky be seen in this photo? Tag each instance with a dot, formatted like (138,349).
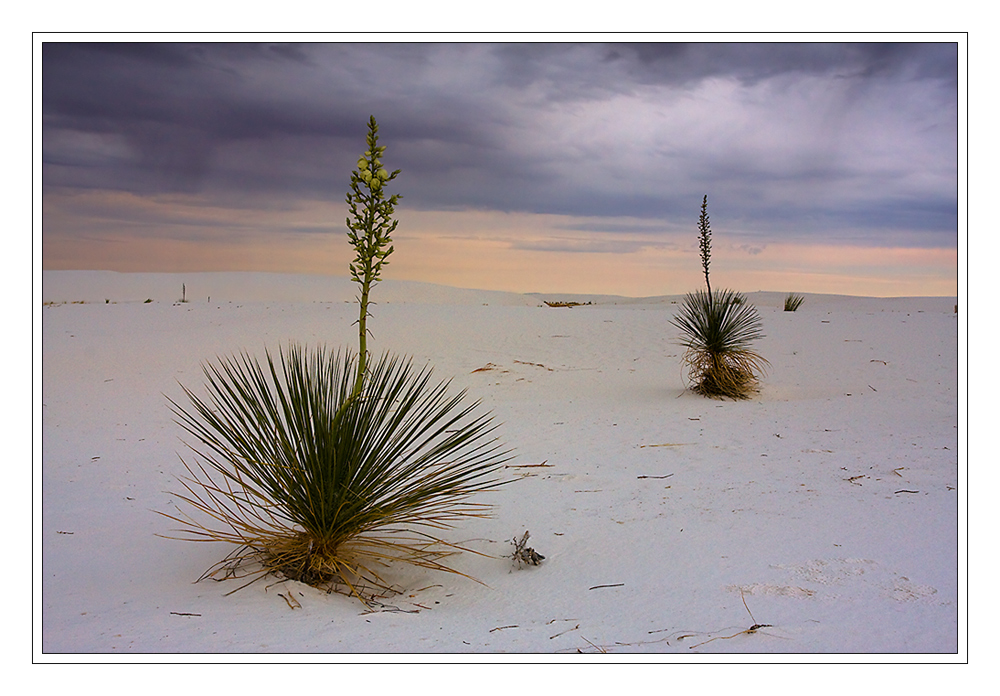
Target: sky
(528,167)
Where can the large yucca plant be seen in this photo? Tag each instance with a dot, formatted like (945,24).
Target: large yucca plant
(322,485)
(718,330)
(325,466)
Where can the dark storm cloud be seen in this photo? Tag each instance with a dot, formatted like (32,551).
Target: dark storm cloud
(752,62)
(786,138)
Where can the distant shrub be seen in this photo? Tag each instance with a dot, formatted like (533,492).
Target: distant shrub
(793,302)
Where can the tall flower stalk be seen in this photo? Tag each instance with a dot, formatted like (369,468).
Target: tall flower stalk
(370,226)
(705,243)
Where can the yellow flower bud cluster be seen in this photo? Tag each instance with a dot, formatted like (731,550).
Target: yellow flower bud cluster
(371,170)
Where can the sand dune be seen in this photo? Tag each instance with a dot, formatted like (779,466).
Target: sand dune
(825,508)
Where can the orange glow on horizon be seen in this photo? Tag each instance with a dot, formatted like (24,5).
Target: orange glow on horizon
(515,252)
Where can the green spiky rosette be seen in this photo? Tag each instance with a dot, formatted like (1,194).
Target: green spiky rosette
(321,485)
(718,331)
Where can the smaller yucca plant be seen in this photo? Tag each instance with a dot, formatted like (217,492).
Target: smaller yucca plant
(718,330)
(793,302)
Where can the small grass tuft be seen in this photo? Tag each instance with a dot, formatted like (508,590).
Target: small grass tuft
(793,302)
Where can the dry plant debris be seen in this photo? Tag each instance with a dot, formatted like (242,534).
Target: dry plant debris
(523,362)
(753,629)
(567,304)
(528,466)
(565,632)
(525,555)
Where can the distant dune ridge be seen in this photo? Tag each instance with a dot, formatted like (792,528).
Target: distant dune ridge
(98,286)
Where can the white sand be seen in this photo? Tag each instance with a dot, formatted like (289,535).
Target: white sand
(829,503)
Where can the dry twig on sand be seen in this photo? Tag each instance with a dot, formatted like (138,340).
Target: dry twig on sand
(753,629)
